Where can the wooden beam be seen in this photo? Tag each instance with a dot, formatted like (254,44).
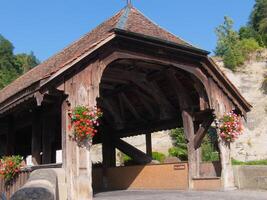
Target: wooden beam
(108,147)
(148,144)
(107,104)
(181,93)
(202,115)
(147,102)
(130,107)
(137,155)
(192,153)
(152,89)
(202,130)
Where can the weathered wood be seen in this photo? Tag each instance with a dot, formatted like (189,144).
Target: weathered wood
(148,144)
(202,130)
(130,107)
(36,137)
(137,155)
(108,148)
(10,137)
(192,154)
(39,98)
(48,137)
(203,114)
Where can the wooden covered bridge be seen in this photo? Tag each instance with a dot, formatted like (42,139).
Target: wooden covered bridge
(144,79)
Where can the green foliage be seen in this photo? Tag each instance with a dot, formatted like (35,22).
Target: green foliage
(179,153)
(12,66)
(10,167)
(227,37)
(235,47)
(258,19)
(158,156)
(254,162)
(127,160)
(180,147)
(26,62)
(209,146)
(248,46)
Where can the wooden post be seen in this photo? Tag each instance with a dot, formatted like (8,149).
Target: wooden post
(36,137)
(10,137)
(148,144)
(47,138)
(227,174)
(108,148)
(192,154)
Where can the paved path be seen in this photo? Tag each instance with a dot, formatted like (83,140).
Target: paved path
(182,195)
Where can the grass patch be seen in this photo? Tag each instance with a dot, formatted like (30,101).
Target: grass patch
(254,162)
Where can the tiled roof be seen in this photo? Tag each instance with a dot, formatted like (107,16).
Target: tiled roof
(128,19)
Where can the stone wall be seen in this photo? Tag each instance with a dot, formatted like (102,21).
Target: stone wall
(251,177)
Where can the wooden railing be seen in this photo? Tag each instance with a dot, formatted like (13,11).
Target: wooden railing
(7,190)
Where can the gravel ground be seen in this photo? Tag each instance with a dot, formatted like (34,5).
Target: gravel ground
(182,195)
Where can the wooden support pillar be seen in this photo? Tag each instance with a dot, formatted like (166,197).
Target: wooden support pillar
(47,138)
(148,144)
(10,147)
(36,146)
(192,153)
(227,174)
(108,149)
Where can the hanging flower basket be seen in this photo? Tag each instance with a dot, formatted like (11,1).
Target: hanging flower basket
(84,122)
(230,127)
(10,167)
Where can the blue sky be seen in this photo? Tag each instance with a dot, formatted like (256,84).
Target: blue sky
(47,26)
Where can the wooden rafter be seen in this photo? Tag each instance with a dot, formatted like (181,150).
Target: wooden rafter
(130,107)
(203,128)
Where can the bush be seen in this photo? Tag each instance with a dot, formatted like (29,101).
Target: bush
(158,156)
(179,153)
(210,146)
(254,162)
(235,47)
(127,160)
(180,145)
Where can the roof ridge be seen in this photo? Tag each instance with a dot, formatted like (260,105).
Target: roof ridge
(123,18)
(164,29)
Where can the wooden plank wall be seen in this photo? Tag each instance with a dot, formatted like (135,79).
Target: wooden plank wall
(15,185)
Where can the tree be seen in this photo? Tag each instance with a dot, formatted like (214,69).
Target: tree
(235,48)
(258,19)
(12,66)
(26,62)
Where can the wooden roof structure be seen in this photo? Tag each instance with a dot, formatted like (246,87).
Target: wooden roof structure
(127,22)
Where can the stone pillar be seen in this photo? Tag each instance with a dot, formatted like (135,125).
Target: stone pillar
(36,137)
(148,144)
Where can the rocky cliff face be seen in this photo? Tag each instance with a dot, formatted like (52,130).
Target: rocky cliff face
(252,145)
